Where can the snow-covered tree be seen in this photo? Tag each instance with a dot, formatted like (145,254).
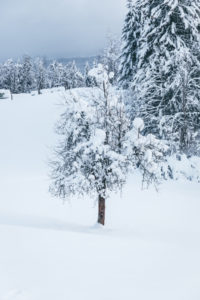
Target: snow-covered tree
(40,75)
(55,74)
(130,43)
(66,80)
(10,78)
(90,159)
(168,28)
(169,35)
(88,80)
(86,162)
(186,121)
(26,75)
(99,147)
(110,57)
(146,153)
(72,77)
(74,128)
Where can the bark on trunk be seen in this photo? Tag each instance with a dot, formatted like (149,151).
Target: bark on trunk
(101,213)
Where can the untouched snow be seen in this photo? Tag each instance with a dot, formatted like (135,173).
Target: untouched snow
(149,249)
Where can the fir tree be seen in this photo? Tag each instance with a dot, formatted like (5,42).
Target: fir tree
(130,43)
(90,158)
(72,77)
(99,147)
(55,74)
(26,76)
(40,75)
(88,80)
(11,76)
(169,35)
(110,58)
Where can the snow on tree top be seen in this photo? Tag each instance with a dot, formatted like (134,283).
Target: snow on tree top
(100,74)
(138,124)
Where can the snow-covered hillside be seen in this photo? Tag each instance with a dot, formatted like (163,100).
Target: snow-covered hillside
(149,249)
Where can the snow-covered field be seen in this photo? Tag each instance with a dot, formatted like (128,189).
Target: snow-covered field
(149,249)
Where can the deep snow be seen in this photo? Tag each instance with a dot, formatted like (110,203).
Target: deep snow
(149,249)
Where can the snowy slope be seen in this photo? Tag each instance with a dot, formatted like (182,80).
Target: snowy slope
(149,249)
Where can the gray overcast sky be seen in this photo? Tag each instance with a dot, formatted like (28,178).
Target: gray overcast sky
(57,28)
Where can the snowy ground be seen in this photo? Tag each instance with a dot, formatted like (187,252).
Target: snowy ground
(149,249)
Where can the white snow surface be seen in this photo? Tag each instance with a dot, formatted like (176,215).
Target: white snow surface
(149,249)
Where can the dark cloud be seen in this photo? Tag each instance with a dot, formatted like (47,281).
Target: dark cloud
(57,27)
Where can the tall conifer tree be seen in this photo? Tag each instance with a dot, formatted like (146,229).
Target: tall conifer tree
(167,47)
(130,38)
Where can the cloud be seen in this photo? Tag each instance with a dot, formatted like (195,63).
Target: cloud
(58,27)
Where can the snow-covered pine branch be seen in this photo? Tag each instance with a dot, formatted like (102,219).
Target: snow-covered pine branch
(147,153)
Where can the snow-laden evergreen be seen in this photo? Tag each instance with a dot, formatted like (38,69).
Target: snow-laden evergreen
(72,77)
(27,74)
(99,146)
(55,73)
(40,75)
(89,158)
(130,38)
(146,153)
(10,76)
(165,79)
(110,57)
(30,74)
(88,80)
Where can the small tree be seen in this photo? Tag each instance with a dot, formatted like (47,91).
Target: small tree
(130,43)
(40,75)
(87,159)
(72,77)
(98,147)
(112,123)
(110,57)
(11,73)
(55,74)
(88,80)
(26,75)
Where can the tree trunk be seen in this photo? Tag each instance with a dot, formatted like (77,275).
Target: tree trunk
(101,213)
(183,139)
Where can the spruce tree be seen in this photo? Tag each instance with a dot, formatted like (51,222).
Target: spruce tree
(169,42)
(26,80)
(110,58)
(55,74)
(90,157)
(40,75)
(130,43)
(11,76)
(72,77)
(99,147)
